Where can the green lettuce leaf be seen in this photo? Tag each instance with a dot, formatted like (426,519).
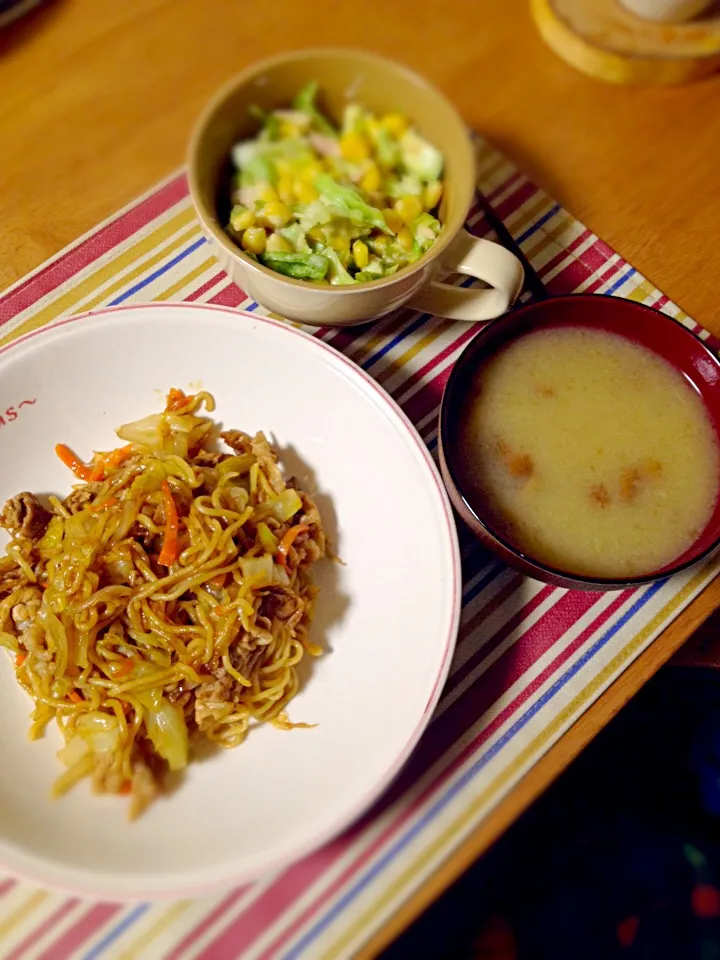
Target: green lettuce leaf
(301,266)
(350,202)
(305,102)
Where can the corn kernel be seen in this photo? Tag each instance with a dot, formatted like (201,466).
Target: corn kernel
(242,220)
(393,219)
(395,124)
(409,208)
(285,189)
(354,147)
(341,245)
(304,192)
(380,244)
(310,171)
(371,178)
(289,130)
(277,244)
(432,193)
(360,254)
(253,240)
(274,214)
(405,239)
(372,126)
(317,234)
(267,193)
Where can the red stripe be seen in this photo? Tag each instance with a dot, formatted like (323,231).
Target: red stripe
(230,296)
(446,352)
(443,733)
(6,886)
(511,180)
(516,199)
(576,273)
(80,932)
(565,252)
(40,931)
(87,251)
(195,934)
(208,285)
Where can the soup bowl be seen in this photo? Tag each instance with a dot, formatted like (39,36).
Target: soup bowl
(352,76)
(655,331)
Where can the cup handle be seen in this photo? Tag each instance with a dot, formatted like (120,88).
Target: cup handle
(478,258)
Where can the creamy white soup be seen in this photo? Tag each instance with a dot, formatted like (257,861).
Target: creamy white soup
(589,452)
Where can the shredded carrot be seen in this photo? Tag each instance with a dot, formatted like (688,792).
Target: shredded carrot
(219,580)
(176,399)
(81,470)
(168,554)
(113,459)
(103,505)
(20,659)
(219,611)
(125,666)
(75,697)
(287,541)
(125,789)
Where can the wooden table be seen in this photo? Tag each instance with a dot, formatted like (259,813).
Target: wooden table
(97,101)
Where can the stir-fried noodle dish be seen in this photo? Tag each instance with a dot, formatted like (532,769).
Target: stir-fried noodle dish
(166,599)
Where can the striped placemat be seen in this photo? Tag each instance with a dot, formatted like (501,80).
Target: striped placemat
(530,658)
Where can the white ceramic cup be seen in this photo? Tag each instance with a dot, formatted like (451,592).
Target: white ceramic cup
(382,85)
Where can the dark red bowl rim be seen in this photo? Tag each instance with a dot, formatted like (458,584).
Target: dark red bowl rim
(450,402)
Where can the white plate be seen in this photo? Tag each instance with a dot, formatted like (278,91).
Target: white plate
(388,618)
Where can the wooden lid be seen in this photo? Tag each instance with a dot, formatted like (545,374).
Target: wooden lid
(605,40)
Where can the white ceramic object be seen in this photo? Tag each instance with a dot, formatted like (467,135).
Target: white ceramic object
(668,11)
(354,76)
(388,618)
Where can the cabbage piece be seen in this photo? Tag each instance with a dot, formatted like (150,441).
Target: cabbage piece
(239,465)
(408,185)
(51,543)
(150,431)
(101,733)
(267,538)
(295,236)
(425,231)
(305,102)
(166,728)
(388,149)
(420,157)
(353,120)
(284,506)
(269,122)
(236,497)
(258,571)
(301,266)
(315,214)
(350,203)
(339,276)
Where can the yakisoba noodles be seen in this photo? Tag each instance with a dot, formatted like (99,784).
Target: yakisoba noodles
(168,597)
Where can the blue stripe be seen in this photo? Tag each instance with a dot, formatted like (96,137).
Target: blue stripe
(252,308)
(117,931)
(391,344)
(493,573)
(539,223)
(618,283)
(158,273)
(406,332)
(469,774)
